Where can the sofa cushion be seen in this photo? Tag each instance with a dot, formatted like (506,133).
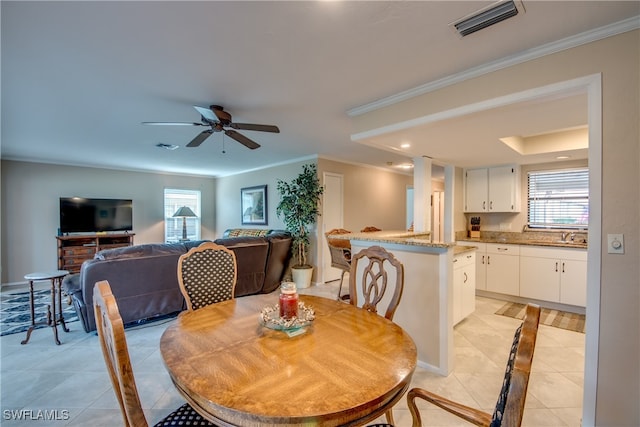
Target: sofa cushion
(241,232)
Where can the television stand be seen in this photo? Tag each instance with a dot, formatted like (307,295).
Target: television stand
(75,249)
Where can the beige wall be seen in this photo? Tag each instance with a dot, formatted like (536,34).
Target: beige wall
(616,387)
(30,208)
(372,197)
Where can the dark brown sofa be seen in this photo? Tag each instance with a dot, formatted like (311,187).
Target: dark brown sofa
(144,278)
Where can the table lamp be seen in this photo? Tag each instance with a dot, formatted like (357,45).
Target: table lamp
(184,213)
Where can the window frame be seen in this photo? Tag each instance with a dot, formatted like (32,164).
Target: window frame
(174,198)
(570,201)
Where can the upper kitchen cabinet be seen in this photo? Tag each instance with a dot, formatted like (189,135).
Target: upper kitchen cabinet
(495,189)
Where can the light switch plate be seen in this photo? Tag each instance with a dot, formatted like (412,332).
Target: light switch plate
(615,243)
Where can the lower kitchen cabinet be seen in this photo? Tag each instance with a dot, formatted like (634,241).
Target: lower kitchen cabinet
(481,263)
(503,268)
(464,288)
(538,272)
(557,275)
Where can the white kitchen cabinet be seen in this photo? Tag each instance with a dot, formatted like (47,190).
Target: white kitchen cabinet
(554,274)
(495,189)
(503,268)
(481,263)
(464,289)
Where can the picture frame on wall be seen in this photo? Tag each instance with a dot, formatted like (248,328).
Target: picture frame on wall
(253,205)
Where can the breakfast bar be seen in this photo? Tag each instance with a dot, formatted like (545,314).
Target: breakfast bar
(426,307)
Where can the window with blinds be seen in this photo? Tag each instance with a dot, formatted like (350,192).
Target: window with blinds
(558,199)
(174,199)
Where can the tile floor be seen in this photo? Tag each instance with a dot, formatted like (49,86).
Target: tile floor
(69,383)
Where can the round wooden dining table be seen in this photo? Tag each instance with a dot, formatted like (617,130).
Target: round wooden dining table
(348,367)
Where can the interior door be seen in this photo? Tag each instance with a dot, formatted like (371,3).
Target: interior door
(332,217)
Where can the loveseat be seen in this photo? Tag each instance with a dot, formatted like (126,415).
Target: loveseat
(144,277)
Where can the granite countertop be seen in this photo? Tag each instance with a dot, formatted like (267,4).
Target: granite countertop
(552,241)
(411,238)
(460,249)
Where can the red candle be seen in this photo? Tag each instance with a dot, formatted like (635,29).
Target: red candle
(288,301)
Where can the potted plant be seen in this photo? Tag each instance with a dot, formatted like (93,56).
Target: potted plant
(299,209)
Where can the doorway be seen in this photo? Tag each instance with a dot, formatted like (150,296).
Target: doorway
(333,217)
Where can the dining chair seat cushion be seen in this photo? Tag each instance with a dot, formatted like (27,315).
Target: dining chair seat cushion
(184,416)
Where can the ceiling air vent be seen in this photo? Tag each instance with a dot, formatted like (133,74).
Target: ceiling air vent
(485,17)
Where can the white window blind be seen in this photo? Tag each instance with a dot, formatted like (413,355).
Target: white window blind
(174,199)
(558,198)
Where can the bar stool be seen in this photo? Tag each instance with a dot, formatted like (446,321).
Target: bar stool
(52,320)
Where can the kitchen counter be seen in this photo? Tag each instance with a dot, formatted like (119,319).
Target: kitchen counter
(409,238)
(533,242)
(530,237)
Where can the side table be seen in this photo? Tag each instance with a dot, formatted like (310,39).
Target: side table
(52,318)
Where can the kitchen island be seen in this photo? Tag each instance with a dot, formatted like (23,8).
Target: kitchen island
(426,307)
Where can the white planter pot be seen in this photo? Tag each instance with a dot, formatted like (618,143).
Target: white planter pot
(302,276)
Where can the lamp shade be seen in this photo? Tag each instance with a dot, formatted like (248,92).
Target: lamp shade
(184,212)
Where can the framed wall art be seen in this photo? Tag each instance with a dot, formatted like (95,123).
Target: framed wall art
(253,204)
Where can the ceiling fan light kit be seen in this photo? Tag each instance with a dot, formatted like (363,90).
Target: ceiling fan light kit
(219,120)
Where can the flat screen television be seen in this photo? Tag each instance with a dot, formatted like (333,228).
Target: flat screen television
(80,215)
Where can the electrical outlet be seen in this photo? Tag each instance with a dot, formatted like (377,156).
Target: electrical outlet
(615,243)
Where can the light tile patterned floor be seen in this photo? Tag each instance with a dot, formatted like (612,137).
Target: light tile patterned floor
(70,383)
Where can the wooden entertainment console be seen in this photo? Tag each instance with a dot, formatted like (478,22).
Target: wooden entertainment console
(73,250)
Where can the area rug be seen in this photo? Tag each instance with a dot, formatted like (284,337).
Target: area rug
(15,312)
(559,319)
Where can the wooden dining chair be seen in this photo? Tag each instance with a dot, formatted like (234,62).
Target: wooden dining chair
(510,406)
(370,229)
(116,356)
(207,274)
(340,251)
(373,283)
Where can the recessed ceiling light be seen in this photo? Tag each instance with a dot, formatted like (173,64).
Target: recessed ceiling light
(405,145)
(169,147)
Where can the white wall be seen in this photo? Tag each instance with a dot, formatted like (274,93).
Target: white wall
(30,208)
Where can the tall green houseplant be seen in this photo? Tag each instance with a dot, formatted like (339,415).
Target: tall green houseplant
(299,209)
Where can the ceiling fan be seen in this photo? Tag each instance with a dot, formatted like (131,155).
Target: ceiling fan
(218,120)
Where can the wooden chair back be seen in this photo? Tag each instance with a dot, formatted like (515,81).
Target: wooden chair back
(373,282)
(116,354)
(510,406)
(207,274)
(370,229)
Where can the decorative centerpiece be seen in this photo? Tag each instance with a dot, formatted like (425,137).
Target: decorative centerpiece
(270,317)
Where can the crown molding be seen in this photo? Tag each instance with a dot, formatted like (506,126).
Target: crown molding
(620,27)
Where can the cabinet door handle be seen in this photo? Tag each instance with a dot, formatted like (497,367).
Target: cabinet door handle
(491,205)
(469,256)
(484,206)
(488,260)
(503,249)
(556,266)
(563,267)
(482,259)
(465,278)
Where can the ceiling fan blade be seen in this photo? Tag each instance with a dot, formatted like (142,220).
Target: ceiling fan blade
(242,139)
(199,139)
(206,113)
(172,124)
(250,126)
(223,116)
